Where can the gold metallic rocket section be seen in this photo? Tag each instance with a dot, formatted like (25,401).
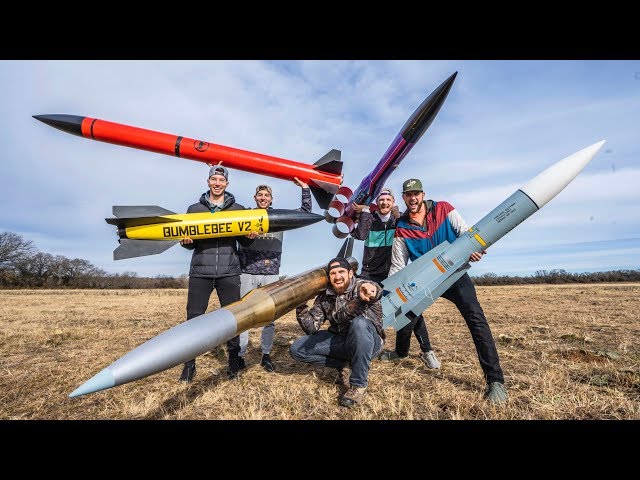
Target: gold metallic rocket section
(263,305)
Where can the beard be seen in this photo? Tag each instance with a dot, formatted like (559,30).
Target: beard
(341,289)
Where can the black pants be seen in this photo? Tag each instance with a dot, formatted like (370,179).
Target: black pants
(403,336)
(463,295)
(200,290)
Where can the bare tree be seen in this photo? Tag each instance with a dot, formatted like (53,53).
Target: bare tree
(72,272)
(37,269)
(13,248)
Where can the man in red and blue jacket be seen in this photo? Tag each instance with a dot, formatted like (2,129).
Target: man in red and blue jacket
(423,226)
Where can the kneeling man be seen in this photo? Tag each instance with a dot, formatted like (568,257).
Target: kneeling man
(355,335)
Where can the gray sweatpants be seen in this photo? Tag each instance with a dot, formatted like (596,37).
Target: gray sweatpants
(249,282)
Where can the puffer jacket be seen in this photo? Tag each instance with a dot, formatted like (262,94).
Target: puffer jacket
(341,309)
(215,257)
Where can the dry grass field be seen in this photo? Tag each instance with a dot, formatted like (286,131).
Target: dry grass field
(568,352)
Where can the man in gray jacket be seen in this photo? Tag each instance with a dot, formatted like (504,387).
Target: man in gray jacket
(355,335)
(214,265)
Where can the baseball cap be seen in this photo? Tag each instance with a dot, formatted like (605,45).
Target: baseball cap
(219,170)
(264,187)
(341,261)
(412,185)
(385,191)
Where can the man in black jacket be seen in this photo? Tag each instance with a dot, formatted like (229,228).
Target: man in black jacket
(214,264)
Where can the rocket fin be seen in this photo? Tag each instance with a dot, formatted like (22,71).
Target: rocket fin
(323,193)
(419,284)
(330,162)
(347,248)
(136,215)
(422,301)
(139,248)
(136,211)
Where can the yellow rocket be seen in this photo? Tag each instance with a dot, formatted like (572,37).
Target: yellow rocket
(149,229)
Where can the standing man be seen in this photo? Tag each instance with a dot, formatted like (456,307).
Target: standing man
(260,263)
(355,335)
(214,265)
(425,225)
(377,230)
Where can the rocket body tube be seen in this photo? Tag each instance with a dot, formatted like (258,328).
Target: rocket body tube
(409,134)
(226,223)
(325,174)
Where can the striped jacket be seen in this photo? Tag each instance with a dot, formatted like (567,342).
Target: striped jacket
(378,239)
(411,241)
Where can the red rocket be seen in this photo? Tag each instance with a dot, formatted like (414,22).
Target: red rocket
(323,177)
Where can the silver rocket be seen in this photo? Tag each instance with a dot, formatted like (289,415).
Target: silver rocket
(205,332)
(419,284)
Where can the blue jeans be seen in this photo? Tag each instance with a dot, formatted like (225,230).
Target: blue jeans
(329,349)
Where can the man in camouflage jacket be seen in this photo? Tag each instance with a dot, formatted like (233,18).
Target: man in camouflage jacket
(355,334)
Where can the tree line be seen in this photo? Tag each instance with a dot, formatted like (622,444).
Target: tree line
(559,276)
(24,266)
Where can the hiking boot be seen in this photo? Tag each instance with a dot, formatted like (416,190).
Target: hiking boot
(496,393)
(389,356)
(234,368)
(352,396)
(429,358)
(188,372)
(343,379)
(267,363)
(241,363)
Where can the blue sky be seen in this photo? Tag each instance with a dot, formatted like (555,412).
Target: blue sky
(503,122)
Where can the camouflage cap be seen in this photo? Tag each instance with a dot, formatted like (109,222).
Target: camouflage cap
(412,185)
(264,187)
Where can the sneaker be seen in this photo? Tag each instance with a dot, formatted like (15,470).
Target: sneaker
(429,358)
(352,396)
(496,393)
(234,368)
(388,356)
(267,363)
(241,363)
(188,372)
(343,379)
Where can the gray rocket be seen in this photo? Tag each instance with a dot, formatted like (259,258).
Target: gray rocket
(419,284)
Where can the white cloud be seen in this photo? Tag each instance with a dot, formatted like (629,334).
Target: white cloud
(502,123)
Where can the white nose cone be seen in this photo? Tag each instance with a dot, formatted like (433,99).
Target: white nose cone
(552,181)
